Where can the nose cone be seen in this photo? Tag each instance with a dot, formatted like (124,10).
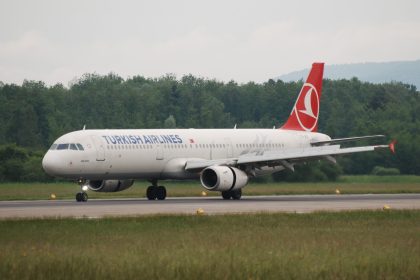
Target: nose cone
(51,164)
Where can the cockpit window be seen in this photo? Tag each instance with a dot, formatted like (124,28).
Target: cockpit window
(62,146)
(80,147)
(73,147)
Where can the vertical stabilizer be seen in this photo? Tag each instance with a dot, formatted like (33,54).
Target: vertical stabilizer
(305,113)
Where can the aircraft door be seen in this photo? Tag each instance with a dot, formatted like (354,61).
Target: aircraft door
(212,150)
(99,146)
(159,152)
(229,148)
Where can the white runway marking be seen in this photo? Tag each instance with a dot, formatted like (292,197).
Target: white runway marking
(96,208)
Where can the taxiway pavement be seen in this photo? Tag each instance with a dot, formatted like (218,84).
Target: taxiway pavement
(96,208)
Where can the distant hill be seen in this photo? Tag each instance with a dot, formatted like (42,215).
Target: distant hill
(401,71)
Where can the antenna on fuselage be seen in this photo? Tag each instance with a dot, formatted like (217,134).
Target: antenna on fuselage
(234,126)
(84,127)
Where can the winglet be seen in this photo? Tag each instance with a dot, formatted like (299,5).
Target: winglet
(392,146)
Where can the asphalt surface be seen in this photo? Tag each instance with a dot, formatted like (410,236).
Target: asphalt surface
(96,208)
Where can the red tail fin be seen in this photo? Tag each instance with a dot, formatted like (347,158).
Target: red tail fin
(305,113)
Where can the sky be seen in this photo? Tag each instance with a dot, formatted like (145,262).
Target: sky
(58,41)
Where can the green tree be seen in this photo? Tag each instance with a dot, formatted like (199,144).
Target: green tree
(170,122)
(33,115)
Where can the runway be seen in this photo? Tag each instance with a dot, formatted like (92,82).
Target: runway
(96,208)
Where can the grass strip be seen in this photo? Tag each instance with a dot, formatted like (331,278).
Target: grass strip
(346,185)
(355,245)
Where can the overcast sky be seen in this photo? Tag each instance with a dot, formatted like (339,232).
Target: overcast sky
(56,41)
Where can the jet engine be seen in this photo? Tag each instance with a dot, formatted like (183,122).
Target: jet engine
(110,185)
(223,178)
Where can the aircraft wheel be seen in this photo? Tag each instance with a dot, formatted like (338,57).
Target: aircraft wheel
(226,195)
(151,193)
(84,197)
(236,194)
(161,193)
(79,197)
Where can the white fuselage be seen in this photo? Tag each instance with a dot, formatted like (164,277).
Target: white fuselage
(162,153)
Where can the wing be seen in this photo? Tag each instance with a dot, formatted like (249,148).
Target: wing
(341,140)
(286,158)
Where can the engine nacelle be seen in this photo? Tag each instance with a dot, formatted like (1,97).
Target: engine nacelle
(110,185)
(223,178)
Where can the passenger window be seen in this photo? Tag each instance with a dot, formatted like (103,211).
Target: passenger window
(80,147)
(73,147)
(62,146)
(53,147)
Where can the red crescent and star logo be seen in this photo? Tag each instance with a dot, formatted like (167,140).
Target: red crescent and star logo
(307,107)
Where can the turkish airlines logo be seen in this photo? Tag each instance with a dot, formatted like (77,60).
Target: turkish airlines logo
(307,107)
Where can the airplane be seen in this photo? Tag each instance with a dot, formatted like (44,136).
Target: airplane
(224,160)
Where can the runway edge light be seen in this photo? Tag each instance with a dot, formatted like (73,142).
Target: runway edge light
(200,211)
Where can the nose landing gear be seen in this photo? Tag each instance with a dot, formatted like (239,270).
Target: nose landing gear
(82,196)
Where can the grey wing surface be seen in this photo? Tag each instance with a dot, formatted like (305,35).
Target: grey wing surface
(285,158)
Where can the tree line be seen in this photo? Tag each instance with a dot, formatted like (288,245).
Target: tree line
(33,115)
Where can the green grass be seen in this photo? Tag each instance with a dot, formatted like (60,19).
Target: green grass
(346,185)
(409,179)
(344,245)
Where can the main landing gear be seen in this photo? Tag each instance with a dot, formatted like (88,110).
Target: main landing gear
(155,192)
(234,194)
(82,196)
